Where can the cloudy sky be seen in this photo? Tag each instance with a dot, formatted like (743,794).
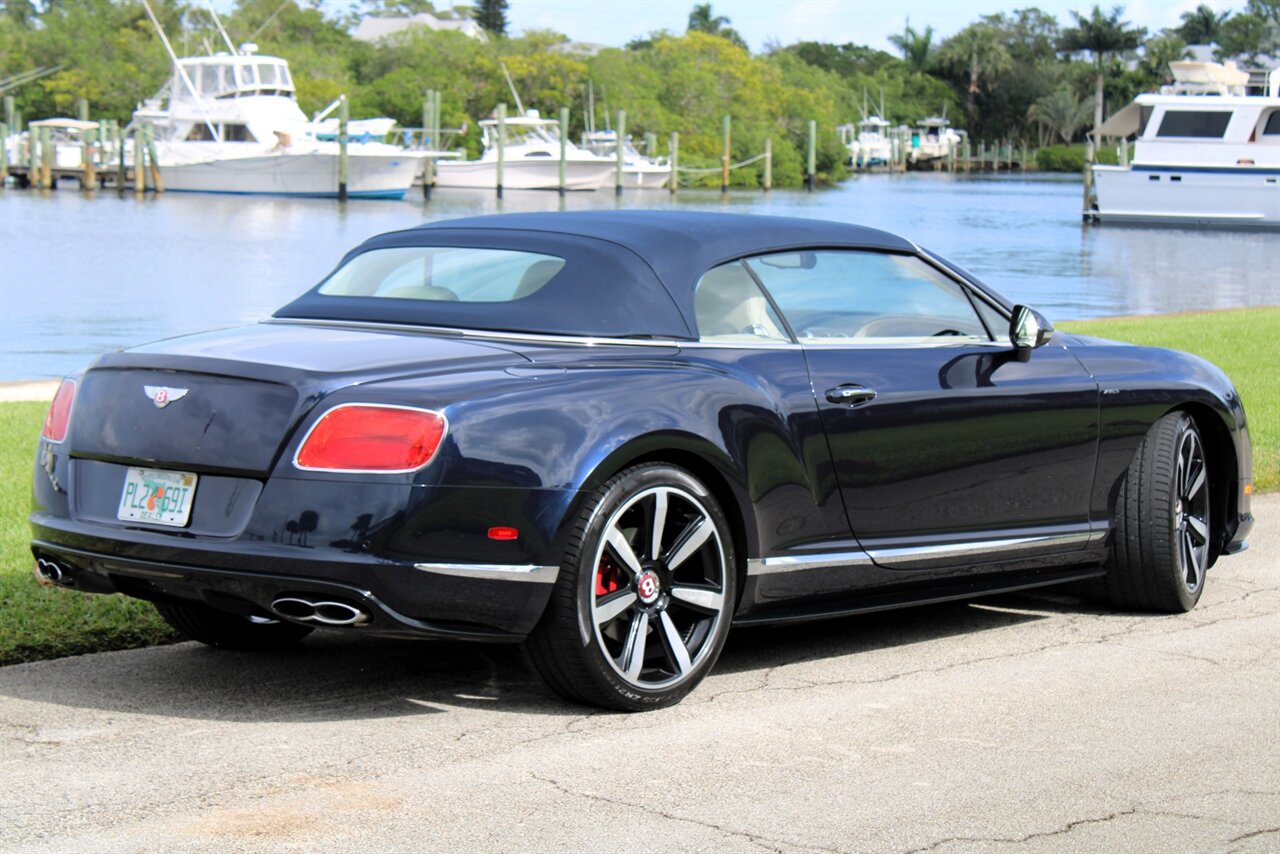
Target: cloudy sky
(869,22)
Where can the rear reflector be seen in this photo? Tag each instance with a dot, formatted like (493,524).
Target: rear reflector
(372,438)
(59,417)
(503,533)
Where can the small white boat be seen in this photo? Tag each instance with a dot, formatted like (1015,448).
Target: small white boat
(531,159)
(66,136)
(231,124)
(934,139)
(638,171)
(1207,153)
(872,146)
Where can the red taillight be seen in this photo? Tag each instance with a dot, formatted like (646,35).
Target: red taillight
(503,533)
(372,437)
(59,417)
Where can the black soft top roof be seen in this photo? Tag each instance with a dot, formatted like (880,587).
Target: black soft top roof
(626,273)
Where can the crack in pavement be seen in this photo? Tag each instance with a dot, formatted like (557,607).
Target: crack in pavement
(764,842)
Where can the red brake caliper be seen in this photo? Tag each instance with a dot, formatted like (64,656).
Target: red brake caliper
(607,579)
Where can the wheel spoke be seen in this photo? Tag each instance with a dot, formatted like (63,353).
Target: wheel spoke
(1198,527)
(659,523)
(691,539)
(698,597)
(618,541)
(1192,563)
(633,649)
(675,644)
(1197,482)
(613,606)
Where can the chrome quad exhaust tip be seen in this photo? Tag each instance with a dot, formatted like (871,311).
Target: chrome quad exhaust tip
(321,612)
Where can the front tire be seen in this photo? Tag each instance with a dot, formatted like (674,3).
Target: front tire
(1161,547)
(225,630)
(645,594)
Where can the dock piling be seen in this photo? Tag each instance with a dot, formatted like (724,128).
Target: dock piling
(10,113)
(33,156)
(620,152)
(724,158)
(139,164)
(4,152)
(502,144)
(157,181)
(47,158)
(673,155)
(564,146)
(811,161)
(428,141)
(88,153)
(768,163)
(344,116)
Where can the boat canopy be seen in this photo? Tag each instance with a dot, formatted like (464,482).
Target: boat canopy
(225,76)
(1124,123)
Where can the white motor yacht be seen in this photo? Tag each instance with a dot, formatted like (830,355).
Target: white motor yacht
(638,171)
(1207,153)
(531,159)
(874,146)
(231,124)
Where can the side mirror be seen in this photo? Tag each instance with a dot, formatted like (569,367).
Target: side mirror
(1029,329)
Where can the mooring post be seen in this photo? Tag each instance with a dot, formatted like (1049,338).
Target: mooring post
(48,159)
(139,164)
(82,109)
(502,144)
(951,158)
(982,155)
(428,141)
(650,144)
(121,175)
(9,111)
(4,152)
(811,163)
(673,155)
(1089,151)
(437,110)
(724,158)
(768,163)
(88,151)
(157,180)
(564,146)
(1024,155)
(344,115)
(620,154)
(33,156)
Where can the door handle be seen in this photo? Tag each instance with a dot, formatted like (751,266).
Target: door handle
(850,394)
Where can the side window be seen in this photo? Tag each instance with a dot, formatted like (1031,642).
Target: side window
(863,297)
(731,309)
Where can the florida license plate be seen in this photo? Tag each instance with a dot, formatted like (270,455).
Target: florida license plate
(157,497)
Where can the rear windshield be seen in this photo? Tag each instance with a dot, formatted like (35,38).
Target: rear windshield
(443,273)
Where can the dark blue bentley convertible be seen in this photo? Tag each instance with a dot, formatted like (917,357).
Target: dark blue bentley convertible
(611,435)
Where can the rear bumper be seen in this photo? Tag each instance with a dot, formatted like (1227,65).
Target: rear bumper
(482,602)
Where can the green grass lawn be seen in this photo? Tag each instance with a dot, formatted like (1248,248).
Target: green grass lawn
(38,622)
(1243,343)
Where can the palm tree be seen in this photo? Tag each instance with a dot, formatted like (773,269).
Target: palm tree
(916,47)
(1101,35)
(1200,26)
(701,20)
(978,52)
(1061,112)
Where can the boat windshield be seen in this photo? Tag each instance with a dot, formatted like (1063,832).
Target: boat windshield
(443,273)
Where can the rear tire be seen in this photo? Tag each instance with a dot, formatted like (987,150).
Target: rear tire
(645,594)
(225,630)
(1161,545)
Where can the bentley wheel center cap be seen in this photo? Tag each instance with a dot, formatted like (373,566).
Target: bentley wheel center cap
(647,587)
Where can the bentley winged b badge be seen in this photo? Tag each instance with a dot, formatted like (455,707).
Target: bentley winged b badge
(162,396)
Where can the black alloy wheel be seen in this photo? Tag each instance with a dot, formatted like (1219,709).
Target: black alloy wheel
(1162,546)
(645,594)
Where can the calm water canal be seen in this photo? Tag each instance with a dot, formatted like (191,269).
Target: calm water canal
(82,276)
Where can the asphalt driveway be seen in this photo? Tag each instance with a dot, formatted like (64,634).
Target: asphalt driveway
(1032,722)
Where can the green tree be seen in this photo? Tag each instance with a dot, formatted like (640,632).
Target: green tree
(702,21)
(1101,36)
(1158,52)
(1061,112)
(1252,33)
(492,15)
(917,48)
(977,53)
(1201,25)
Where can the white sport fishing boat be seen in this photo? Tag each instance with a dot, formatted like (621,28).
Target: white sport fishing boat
(638,171)
(531,159)
(934,139)
(1207,153)
(231,124)
(873,146)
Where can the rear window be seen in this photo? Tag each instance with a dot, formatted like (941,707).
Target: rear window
(443,274)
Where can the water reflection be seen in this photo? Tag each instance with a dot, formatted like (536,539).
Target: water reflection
(81,276)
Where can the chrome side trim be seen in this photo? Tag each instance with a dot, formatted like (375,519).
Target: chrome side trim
(493,334)
(799,563)
(946,552)
(494,571)
(940,553)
